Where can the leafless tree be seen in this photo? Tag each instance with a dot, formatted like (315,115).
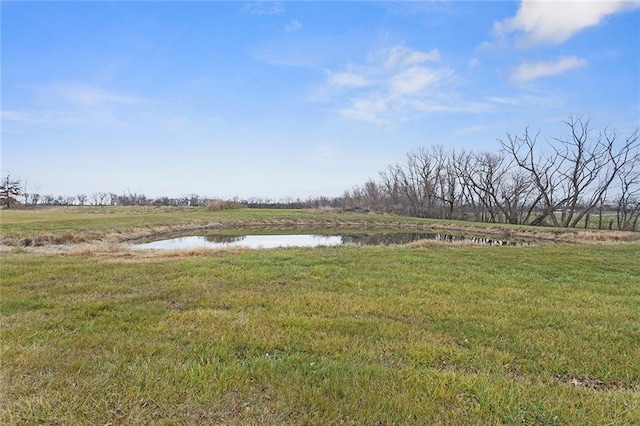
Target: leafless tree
(592,167)
(390,181)
(34,198)
(485,176)
(628,201)
(573,174)
(542,169)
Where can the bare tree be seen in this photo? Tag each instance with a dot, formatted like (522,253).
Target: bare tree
(542,169)
(487,180)
(390,181)
(25,192)
(628,201)
(373,195)
(419,182)
(48,199)
(448,189)
(572,176)
(34,198)
(592,167)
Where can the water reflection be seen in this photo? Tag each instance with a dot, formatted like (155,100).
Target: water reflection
(247,241)
(310,240)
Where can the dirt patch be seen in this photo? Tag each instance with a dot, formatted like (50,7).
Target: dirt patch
(586,382)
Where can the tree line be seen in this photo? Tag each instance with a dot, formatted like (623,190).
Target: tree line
(587,178)
(13,193)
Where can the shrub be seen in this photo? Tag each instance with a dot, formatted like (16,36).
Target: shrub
(216,205)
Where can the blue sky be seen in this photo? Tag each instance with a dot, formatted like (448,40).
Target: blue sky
(294,99)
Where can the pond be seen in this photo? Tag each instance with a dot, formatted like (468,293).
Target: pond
(309,240)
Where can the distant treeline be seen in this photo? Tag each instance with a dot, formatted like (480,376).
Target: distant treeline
(586,179)
(16,195)
(24,199)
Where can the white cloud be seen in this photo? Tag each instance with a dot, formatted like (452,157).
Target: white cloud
(440,105)
(387,86)
(14,115)
(85,95)
(533,70)
(77,104)
(414,80)
(264,7)
(347,79)
(366,109)
(401,56)
(64,117)
(293,26)
(553,22)
(543,99)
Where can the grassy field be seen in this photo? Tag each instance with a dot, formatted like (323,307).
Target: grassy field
(422,334)
(117,224)
(62,225)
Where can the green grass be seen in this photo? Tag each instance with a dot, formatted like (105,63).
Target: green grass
(80,224)
(342,335)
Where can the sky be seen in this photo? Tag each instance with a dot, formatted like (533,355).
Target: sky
(294,99)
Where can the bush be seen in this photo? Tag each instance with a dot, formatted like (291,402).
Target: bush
(216,205)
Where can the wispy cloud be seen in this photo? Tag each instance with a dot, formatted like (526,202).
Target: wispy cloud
(347,79)
(90,96)
(12,115)
(392,84)
(369,108)
(293,26)
(415,79)
(60,117)
(532,70)
(77,104)
(545,99)
(264,7)
(437,104)
(401,56)
(27,116)
(553,22)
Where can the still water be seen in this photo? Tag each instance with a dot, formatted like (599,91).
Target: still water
(308,240)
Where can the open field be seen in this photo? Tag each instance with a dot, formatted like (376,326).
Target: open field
(420,334)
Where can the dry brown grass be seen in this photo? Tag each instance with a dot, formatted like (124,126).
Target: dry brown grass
(217,205)
(117,252)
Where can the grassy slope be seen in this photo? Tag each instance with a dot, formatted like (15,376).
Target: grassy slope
(388,335)
(117,224)
(81,224)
